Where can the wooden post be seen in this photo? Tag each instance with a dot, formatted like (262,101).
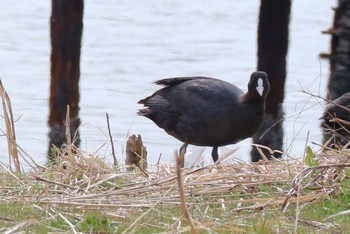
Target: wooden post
(66,32)
(273,35)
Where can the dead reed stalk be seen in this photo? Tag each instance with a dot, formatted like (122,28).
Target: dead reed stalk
(115,161)
(179,163)
(10,128)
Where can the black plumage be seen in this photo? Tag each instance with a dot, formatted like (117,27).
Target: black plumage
(206,111)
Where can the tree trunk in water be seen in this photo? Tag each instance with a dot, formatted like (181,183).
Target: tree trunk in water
(272,51)
(66,32)
(339,80)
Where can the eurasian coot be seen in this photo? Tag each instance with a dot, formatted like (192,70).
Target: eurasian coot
(336,123)
(206,111)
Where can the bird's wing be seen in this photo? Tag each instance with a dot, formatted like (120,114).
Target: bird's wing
(158,102)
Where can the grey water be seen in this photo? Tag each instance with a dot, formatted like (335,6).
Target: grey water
(129,44)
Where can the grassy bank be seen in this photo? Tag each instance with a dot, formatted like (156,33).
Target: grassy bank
(85,194)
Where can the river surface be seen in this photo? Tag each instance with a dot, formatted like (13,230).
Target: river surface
(129,44)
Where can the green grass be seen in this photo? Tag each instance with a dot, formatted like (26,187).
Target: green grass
(41,219)
(208,219)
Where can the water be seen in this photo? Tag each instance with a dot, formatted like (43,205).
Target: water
(129,44)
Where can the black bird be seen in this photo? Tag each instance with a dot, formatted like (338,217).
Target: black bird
(336,123)
(205,111)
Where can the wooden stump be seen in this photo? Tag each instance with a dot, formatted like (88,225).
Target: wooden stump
(136,153)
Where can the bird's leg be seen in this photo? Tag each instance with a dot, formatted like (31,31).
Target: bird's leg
(182,154)
(214,154)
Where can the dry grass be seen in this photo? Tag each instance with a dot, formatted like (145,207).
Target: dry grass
(84,182)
